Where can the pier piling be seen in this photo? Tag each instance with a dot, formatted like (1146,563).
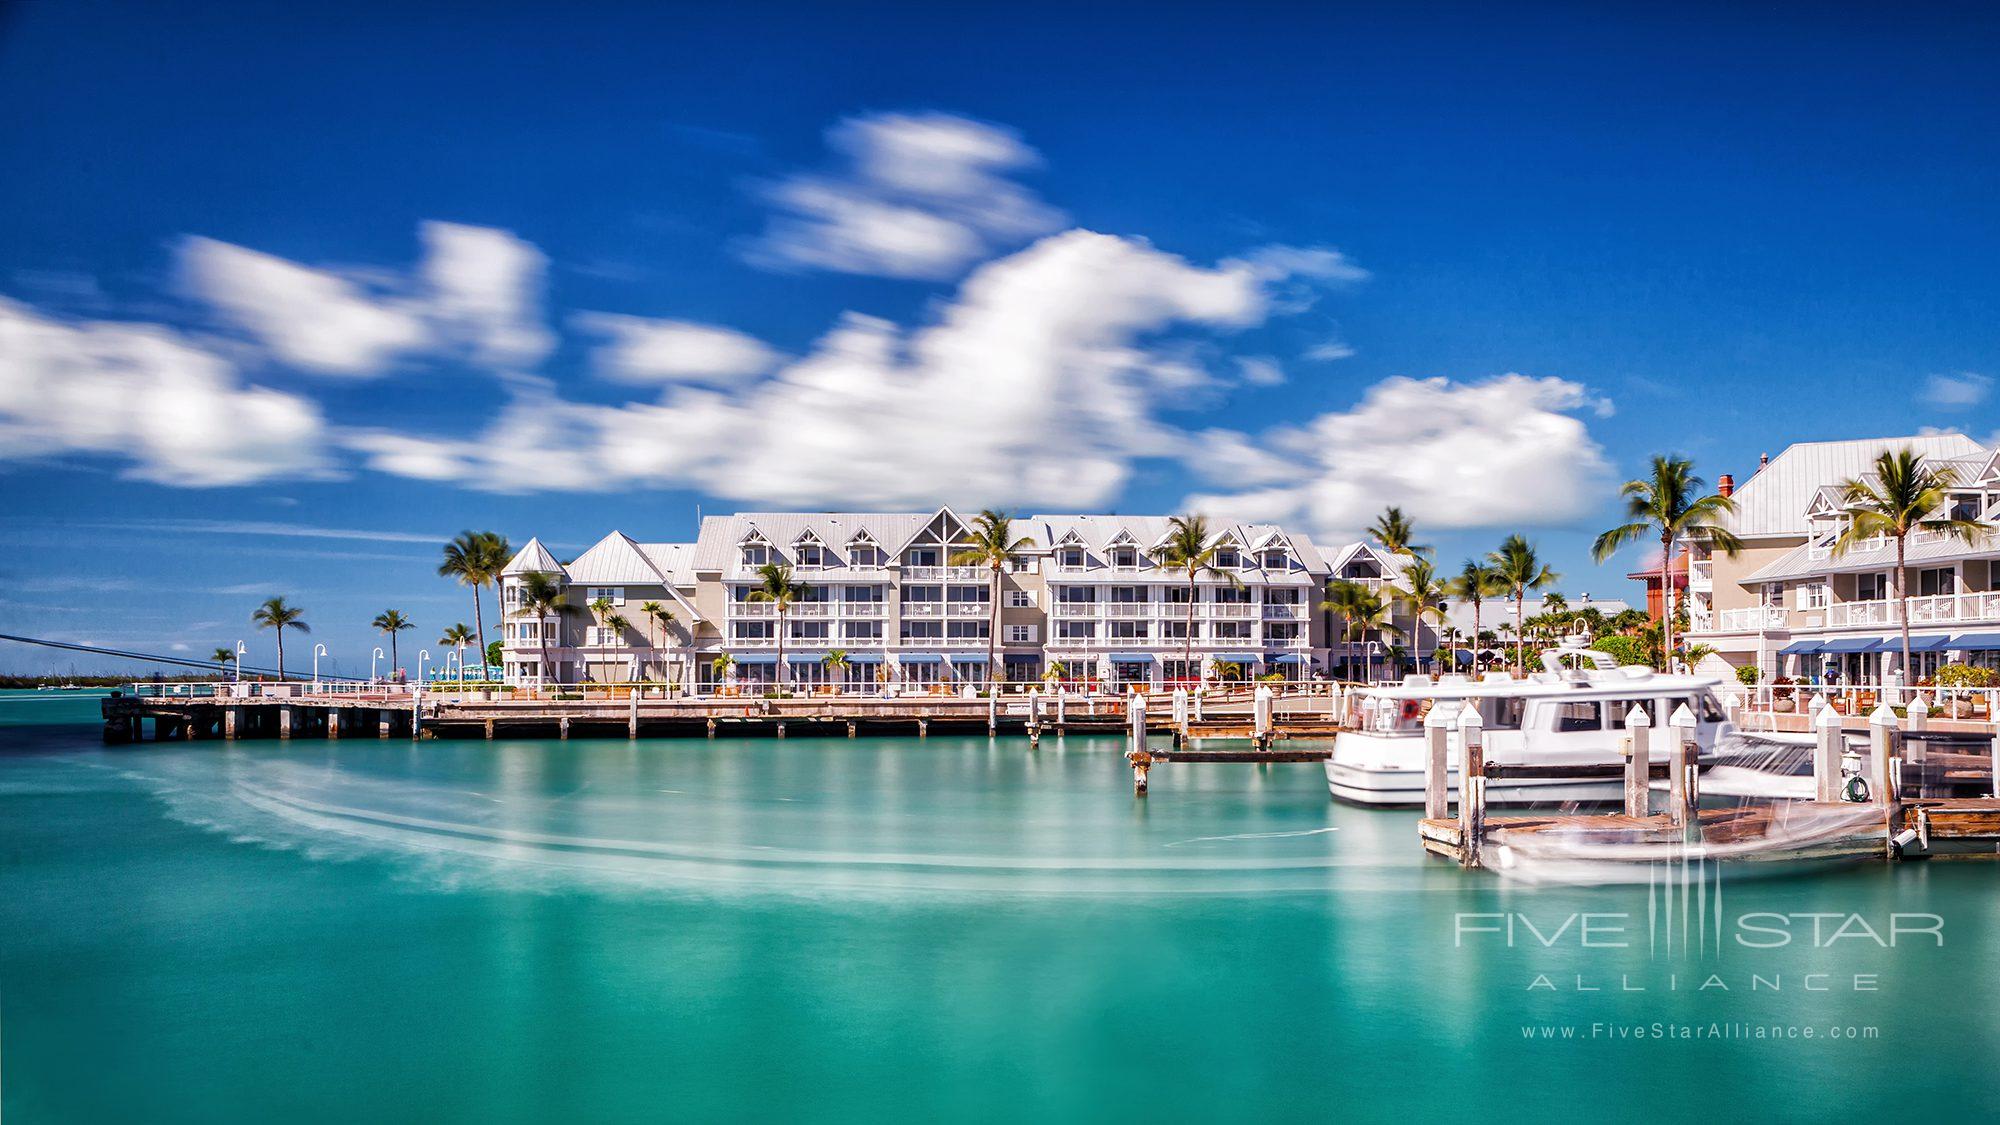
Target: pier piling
(1437,763)
(1827,748)
(1638,761)
(1471,785)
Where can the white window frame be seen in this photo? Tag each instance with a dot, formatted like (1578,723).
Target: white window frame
(602,636)
(613,594)
(1020,634)
(1020,599)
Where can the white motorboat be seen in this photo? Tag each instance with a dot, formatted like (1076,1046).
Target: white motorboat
(1558,717)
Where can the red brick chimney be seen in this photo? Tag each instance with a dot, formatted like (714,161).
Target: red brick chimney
(1725,484)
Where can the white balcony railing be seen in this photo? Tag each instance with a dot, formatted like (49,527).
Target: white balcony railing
(1232,611)
(1130,609)
(1750,619)
(1930,609)
(923,609)
(1277,611)
(969,609)
(1074,609)
(944,574)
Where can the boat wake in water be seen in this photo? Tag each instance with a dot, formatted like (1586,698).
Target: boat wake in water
(868,833)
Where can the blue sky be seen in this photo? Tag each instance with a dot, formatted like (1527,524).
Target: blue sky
(391,275)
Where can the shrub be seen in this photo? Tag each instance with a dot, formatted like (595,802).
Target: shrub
(1966,676)
(1747,675)
(1623,649)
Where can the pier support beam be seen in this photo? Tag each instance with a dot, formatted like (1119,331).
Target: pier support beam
(385,724)
(1437,759)
(711,728)
(632,716)
(1681,794)
(489,730)
(562,727)
(1471,787)
(284,722)
(923,728)
(1882,769)
(333,723)
(850,728)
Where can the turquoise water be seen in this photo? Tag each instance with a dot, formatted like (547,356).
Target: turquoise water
(957,929)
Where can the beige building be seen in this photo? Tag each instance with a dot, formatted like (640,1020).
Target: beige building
(1085,597)
(1791,606)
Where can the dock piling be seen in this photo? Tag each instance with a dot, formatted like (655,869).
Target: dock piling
(1882,763)
(1471,786)
(1638,761)
(1680,769)
(1437,763)
(1827,747)
(1260,707)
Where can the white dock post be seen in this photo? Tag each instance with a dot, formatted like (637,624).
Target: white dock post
(992,708)
(1638,761)
(632,715)
(417,713)
(1198,694)
(1827,747)
(1181,713)
(1882,769)
(1732,704)
(1918,714)
(1437,764)
(1062,708)
(1260,707)
(1681,795)
(1471,786)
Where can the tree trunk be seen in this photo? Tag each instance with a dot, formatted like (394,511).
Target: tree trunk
(394,660)
(1187,642)
(479,622)
(1667,601)
(993,637)
(281,654)
(1903,609)
(1520,638)
(1476,641)
(780,680)
(542,631)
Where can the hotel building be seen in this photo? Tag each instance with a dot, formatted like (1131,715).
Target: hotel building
(1086,596)
(1791,605)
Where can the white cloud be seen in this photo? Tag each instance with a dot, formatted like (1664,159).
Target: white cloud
(141,392)
(484,290)
(923,196)
(1330,350)
(309,318)
(1958,391)
(1260,371)
(1039,383)
(476,292)
(643,350)
(1502,452)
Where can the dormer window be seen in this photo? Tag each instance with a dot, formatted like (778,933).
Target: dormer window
(868,555)
(756,554)
(812,556)
(1227,558)
(1125,558)
(1071,558)
(1276,560)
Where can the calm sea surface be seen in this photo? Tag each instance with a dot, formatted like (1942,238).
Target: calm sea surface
(893,930)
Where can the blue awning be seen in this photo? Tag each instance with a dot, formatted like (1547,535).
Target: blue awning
(804,657)
(755,657)
(1976,642)
(1021,658)
(864,658)
(968,658)
(1799,648)
(1287,658)
(1917,644)
(1132,657)
(919,658)
(1851,644)
(1238,657)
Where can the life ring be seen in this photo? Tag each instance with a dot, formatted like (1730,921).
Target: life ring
(1411,709)
(1856,789)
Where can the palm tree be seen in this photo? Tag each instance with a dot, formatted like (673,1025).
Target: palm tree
(1361,611)
(1519,570)
(457,637)
(1902,495)
(275,614)
(600,610)
(476,559)
(1472,585)
(1670,506)
(992,546)
(392,622)
(541,599)
(722,664)
(658,616)
(1187,549)
(618,624)
(1423,595)
(222,657)
(777,586)
(835,662)
(1394,531)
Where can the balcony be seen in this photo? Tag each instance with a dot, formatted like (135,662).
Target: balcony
(1073,609)
(945,574)
(1278,611)
(978,610)
(1932,609)
(923,609)
(1750,619)
(1130,609)
(1701,575)
(1232,611)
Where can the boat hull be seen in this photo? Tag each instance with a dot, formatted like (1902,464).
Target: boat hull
(1404,788)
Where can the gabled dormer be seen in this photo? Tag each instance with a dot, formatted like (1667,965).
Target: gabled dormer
(1071,552)
(753,550)
(1229,550)
(809,553)
(1124,553)
(932,544)
(863,550)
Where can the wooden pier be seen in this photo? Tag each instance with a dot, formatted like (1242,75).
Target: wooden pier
(1911,800)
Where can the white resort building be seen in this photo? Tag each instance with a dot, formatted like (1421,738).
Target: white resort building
(1792,606)
(1086,598)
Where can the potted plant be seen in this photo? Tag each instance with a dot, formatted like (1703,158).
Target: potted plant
(1784,696)
(1963,678)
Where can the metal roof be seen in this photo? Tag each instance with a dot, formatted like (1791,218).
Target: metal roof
(533,558)
(1773,501)
(615,561)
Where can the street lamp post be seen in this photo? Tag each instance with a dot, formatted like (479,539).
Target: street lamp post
(319,650)
(423,658)
(241,648)
(373,657)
